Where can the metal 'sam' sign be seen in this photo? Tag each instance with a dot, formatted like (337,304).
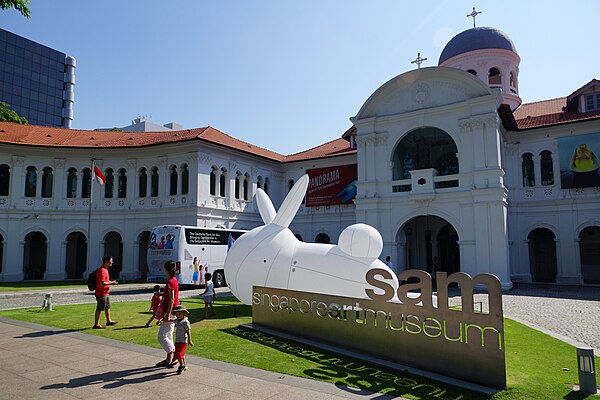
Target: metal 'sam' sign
(398,326)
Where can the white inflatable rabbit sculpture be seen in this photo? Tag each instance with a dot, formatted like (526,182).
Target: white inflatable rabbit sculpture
(271,256)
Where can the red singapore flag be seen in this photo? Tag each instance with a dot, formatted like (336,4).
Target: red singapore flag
(99,176)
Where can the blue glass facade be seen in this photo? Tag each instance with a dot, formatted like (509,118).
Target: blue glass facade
(32,80)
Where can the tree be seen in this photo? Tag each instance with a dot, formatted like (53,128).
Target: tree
(115,129)
(19,5)
(8,115)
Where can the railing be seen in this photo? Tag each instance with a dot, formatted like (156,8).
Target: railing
(440,182)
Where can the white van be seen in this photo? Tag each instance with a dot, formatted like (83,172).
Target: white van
(194,250)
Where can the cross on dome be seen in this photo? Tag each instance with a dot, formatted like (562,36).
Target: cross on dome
(474,14)
(419,60)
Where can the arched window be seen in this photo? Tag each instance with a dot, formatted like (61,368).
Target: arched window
(238,178)
(494,77)
(267,185)
(259,182)
(154,182)
(291,183)
(222,182)
(323,238)
(4,180)
(122,188)
(30,181)
(71,183)
(513,82)
(424,148)
(528,170)
(86,184)
(47,181)
(185,179)
(546,167)
(143,182)
(246,186)
(172,180)
(472,72)
(109,186)
(213,180)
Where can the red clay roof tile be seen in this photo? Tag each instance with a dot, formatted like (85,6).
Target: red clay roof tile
(548,113)
(33,135)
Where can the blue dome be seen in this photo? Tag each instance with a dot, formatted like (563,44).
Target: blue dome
(476,39)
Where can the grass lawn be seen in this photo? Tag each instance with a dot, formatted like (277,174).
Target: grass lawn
(535,361)
(10,286)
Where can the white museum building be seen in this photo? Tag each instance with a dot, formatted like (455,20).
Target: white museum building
(444,161)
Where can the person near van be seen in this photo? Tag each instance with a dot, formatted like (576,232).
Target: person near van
(196,271)
(170,300)
(155,306)
(209,295)
(103,284)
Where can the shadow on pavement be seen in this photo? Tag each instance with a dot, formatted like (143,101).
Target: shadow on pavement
(112,379)
(38,334)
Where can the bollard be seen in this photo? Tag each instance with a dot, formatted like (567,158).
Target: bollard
(586,369)
(48,302)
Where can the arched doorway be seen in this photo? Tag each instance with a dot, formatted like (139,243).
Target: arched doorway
(448,258)
(589,251)
(34,257)
(323,238)
(429,243)
(542,255)
(76,255)
(143,240)
(113,246)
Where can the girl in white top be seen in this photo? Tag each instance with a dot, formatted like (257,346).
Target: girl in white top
(209,294)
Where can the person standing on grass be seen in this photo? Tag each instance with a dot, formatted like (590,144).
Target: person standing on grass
(155,306)
(170,300)
(103,284)
(209,294)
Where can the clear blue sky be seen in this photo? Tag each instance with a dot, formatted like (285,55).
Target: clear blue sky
(280,74)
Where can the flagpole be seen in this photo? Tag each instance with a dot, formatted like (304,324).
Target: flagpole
(89,247)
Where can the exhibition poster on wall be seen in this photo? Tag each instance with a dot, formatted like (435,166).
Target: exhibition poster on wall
(331,185)
(579,162)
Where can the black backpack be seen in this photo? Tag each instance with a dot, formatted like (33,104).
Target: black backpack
(92,280)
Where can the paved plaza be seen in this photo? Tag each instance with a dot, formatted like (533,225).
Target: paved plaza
(38,362)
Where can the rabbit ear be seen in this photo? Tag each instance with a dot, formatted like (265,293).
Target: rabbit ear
(265,206)
(291,203)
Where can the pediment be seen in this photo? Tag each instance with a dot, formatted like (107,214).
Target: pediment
(421,89)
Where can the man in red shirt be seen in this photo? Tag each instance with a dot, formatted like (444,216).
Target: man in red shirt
(103,283)
(170,300)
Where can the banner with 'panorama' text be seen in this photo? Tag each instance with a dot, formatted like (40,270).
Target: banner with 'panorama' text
(331,185)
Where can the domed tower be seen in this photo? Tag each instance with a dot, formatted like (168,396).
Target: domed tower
(489,54)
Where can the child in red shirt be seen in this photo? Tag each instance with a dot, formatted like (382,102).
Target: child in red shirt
(156,306)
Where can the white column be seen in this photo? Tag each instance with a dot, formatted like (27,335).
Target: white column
(537,168)
(136,260)
(578,259)
(38,183)
(128,267)
(55,271)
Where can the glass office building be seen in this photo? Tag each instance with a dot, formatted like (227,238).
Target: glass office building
(36,81)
